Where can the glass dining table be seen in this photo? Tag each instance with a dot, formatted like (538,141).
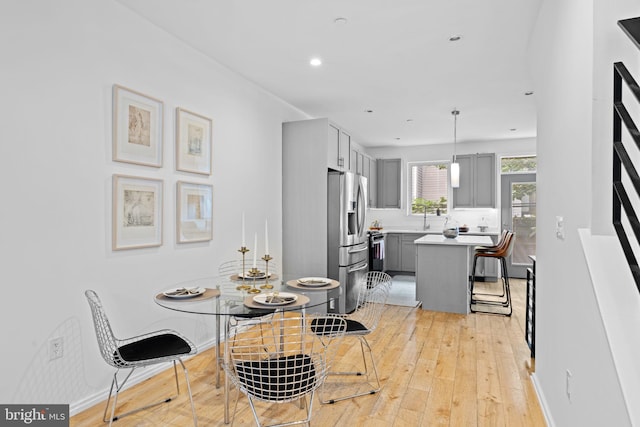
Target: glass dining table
(234,300)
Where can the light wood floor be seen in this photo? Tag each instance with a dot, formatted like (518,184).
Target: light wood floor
(437,369)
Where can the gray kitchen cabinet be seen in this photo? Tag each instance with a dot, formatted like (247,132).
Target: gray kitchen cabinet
(400,251)
(366,167)
(389,182)
(353,161)
(477,181)
(408,253)
(339,143)
(309,149)
(392,252)
(373,183)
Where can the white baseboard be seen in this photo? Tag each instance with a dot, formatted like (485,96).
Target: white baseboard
(543,402)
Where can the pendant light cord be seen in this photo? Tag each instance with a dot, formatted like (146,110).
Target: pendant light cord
(455,131)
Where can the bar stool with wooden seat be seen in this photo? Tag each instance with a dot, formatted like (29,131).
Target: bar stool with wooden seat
(503,301)
(483,250)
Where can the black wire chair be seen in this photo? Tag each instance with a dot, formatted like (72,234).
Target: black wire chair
(138,352)
(373,292)
(281,359)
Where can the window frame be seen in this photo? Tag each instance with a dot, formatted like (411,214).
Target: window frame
(409,187)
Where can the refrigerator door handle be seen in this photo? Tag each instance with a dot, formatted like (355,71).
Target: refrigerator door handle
(355,251)
(362,267)
(361,209)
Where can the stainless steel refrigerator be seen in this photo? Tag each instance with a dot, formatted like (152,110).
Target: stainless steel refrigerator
(348,248)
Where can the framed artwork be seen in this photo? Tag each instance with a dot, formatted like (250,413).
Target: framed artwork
(137,128)
(194,212)
(137,212)
(193,142)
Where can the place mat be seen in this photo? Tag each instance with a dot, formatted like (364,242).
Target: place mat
(302,300)
(294,284)
(208,294)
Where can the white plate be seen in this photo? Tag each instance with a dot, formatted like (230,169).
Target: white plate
(314,281)
(179,293)
(246,275)
(283,298)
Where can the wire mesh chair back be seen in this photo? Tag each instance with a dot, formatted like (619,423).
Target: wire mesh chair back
(107,342)
(281,359)
(372,296)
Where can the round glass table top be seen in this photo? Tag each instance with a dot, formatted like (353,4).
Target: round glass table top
(232,297)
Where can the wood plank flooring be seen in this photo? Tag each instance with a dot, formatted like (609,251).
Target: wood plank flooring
(437,369)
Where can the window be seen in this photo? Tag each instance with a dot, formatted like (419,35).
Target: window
(518,164)
(429,187)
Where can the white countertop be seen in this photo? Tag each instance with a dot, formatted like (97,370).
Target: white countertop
(435,231)
(467,240)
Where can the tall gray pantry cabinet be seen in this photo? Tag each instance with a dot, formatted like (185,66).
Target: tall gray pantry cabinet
(309,149)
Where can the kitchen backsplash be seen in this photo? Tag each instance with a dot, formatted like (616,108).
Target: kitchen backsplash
(398,219)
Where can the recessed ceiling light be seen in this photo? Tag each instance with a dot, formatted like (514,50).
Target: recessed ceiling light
(409,120)
(397,139)
(529,93)
(513,129)
(340,21)
(315,62)
(455,38)
(368,111)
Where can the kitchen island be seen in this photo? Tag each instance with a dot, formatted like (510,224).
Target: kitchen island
(442,271)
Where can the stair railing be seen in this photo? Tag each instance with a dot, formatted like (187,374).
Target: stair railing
(622,158)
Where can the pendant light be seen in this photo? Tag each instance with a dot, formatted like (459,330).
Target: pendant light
(455,166)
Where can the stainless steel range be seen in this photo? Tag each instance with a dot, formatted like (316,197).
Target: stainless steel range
(348,246)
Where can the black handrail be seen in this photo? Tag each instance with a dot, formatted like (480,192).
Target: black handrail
(621,159)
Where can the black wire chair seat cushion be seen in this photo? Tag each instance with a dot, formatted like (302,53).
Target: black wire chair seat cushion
(282,378)
(151,348)
(319,327)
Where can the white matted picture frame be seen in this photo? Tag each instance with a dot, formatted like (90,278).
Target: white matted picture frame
(194,212)
(137,127)
(193,142)
(137,212)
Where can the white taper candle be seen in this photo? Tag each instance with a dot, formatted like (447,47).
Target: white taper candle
(266,238)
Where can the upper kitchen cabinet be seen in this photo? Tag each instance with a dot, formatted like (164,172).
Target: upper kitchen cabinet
(388,185)
(339,148)
(373,181)
(477,181)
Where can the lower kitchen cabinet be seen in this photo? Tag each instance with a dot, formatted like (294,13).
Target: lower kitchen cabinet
(400,252)
(408,253)
(392,252)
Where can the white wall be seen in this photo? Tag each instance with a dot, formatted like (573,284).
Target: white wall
(444,152)
(60,60)
(567,60)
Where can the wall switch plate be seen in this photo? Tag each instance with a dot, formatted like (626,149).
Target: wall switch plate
(560,228)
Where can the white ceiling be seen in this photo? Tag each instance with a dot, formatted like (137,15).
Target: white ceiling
(393,57)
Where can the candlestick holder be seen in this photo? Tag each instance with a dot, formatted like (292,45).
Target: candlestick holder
(254,272)
(266,258)
(244,287)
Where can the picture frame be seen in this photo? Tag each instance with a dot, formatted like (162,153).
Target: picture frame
(193,142)
(137,212)
(138,128)
(194,212)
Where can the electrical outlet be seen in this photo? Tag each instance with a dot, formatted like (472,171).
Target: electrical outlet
(569,385)
(55,348)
